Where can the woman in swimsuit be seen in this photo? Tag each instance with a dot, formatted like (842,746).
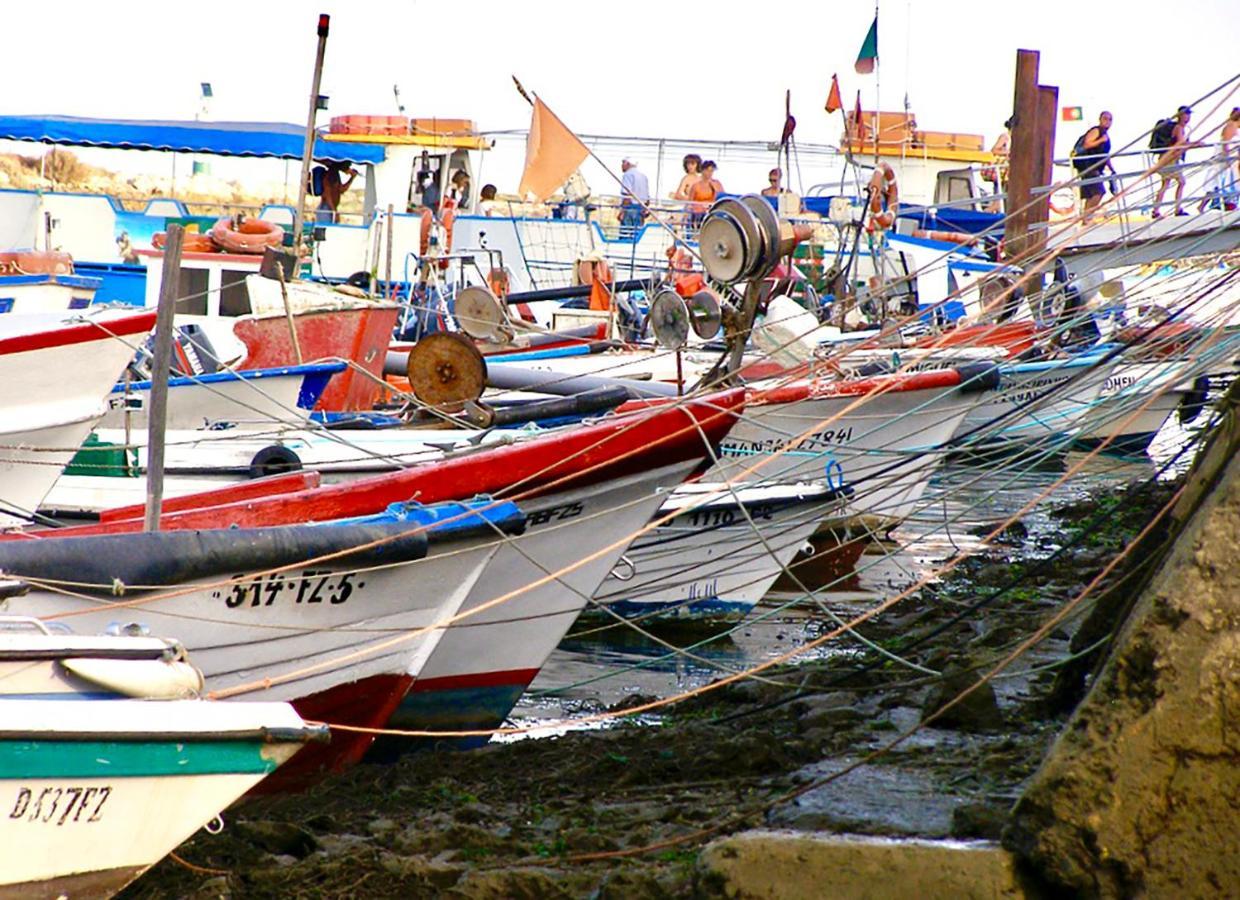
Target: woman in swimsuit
(702,193)
(691,162)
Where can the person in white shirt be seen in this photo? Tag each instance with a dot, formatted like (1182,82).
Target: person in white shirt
(635,194)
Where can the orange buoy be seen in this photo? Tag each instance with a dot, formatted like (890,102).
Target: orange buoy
(949,237)
(884,197)
(248,236)
(36,262)
(192,242)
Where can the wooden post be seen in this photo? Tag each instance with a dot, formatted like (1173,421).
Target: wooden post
(1044,175)
(288,312)
(307,152)
(387,275)
(161,362)
(1022,158)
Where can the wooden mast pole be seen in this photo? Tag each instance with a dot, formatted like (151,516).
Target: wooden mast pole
(307,153)
(161,362)
(1030,168)
(1023,157)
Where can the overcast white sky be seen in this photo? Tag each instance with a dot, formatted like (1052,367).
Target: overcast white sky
(660,69)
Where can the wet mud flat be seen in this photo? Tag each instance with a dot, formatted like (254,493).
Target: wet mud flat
(560,816)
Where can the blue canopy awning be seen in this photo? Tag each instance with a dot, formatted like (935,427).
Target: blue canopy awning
(272,140)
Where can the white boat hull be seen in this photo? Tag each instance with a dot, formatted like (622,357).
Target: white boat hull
(884,449)
(295,633)
(483,664)
(710,562)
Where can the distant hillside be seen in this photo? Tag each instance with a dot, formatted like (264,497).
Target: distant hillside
(62,170)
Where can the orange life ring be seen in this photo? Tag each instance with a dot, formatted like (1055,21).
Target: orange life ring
(249,236)
(947,237)
(36,262)
(884,197)
(1061,208)
(192,242)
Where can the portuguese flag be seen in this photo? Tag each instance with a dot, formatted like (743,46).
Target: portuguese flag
(869,51)
(1073,114)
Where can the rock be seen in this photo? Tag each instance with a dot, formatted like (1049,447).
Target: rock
(979,711)
(979,820)
(218,888)
(382,827)
(473,813)
(839,717)
(434,874)
(629,884)
(507,884)
(277,837)
(774,864)
(632,701)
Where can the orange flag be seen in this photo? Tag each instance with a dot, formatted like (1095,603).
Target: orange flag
(834,102)
(552,153)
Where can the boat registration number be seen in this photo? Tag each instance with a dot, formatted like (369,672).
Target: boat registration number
(60,805)
(309,587)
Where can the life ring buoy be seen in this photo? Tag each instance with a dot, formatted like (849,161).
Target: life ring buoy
(191,242)
(250,235)
(947,237)
(1065,205)
(884,193)
(36,262)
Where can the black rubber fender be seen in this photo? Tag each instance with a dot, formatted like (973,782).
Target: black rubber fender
(274,460)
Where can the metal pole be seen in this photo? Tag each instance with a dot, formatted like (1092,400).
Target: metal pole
(307,152)
(161,362)
(387,275)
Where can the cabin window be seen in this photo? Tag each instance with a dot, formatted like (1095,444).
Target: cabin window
(234,297)
(954,187)
(193,288)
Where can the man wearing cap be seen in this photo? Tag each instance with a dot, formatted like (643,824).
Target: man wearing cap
(635,194)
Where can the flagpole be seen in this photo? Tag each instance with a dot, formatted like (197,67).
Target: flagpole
(877,101)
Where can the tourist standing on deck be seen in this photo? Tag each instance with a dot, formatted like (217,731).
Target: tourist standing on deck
(1091,157)
(692,164)
(333,189)
(702,193)
(1173,145)
(997,173)
(773,189)
(635,191)
(1225,166)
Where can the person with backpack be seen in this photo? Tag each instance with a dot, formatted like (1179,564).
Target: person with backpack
(1170,139)
(1091,157)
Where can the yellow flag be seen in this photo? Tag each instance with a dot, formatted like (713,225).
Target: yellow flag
(552,153)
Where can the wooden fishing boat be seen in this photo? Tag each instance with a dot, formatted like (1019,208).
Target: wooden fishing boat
(104,769)
(338,637)
(880,436)
(516,614)
(610,448)
(56,373)
(251,397)
(716,559)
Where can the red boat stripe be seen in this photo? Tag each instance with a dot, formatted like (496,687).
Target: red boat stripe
(81,333)
(512,677)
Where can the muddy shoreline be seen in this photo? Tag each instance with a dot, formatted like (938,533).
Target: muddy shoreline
(535,818)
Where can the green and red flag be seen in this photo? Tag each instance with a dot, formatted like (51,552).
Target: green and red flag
(1073,114)
(869,50)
